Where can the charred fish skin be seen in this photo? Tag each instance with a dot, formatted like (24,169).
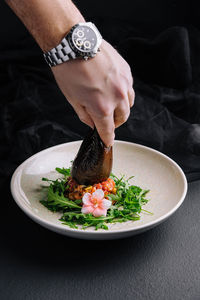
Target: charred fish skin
(93,162)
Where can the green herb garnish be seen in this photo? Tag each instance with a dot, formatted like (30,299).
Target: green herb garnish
(127,203)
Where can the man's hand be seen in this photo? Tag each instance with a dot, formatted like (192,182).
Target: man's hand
(100,90)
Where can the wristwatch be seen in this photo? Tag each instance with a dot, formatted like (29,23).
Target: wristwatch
(82,41)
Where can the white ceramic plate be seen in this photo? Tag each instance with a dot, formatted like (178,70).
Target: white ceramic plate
(152,170)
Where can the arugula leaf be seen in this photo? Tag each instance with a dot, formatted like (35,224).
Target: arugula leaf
(58,184)
(70,224)
(58,201)
(64,171)
(85,220)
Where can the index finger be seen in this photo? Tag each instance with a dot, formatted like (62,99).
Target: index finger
(105,127)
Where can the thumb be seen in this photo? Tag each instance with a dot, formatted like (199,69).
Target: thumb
(105,127)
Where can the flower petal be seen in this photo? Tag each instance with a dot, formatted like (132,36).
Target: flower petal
(98,212)
(98,194)
(106,203)
(87,209)
(86,199)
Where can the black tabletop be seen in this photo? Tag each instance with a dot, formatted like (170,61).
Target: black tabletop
(163,263)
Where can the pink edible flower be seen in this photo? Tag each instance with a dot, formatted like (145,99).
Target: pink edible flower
(95,204)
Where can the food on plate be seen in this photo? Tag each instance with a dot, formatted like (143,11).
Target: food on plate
(83,205)
(93,162)
(76,191)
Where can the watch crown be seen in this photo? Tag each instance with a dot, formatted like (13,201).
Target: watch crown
(98,49)
(86,57)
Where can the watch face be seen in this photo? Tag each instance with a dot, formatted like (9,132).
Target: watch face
(84,38)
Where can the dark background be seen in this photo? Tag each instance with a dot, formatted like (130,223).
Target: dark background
(159,39)
(161,42)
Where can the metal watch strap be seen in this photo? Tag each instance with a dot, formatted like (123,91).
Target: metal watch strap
(59,54)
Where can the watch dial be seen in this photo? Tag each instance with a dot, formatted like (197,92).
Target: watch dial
(84,38)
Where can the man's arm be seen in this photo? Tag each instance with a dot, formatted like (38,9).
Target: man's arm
(100,89)
(47,20)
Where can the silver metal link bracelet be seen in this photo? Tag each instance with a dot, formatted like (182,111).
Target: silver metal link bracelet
(59,54)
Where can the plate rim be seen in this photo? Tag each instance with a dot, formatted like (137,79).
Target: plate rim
(63,229)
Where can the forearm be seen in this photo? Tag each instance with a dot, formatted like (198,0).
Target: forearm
(47,20)
(100,89)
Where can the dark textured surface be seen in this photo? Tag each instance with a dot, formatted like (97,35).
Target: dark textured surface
(166,116)
(161,264)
